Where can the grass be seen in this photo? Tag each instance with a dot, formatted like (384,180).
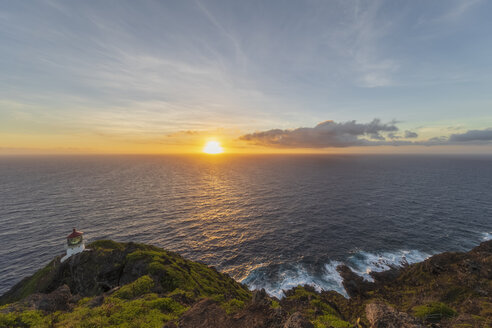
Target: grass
(30,318)
(148,310)
(105,245)
(330,320)
(172,272)
(139,287)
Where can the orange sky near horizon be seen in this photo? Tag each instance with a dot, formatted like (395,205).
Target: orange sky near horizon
(194,144)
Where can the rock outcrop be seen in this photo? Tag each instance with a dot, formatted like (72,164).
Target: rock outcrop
(354,284)
(107,265)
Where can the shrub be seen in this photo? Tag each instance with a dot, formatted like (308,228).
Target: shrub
(434,312)
(233,306)
(156,267)
(29,318)
(106,245)
(330,320)
(323,307)
(135,289)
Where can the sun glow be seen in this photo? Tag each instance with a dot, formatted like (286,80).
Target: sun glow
(213,147)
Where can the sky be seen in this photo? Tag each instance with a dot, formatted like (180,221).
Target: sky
(257,76)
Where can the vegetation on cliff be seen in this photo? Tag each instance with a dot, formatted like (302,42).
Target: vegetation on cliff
(136,285)
(117,284)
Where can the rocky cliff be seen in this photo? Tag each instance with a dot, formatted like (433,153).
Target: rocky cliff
(135,285)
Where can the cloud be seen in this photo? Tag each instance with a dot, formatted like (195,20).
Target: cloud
(183,133)
(455,12)
(410,134)
(348,134)
(325,134)
(472,135)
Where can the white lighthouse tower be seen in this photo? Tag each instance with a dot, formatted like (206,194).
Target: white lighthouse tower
(75,244)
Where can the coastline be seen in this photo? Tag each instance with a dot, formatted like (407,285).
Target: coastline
(140,273)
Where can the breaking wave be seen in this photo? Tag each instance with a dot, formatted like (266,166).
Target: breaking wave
(277,278)
(363,263)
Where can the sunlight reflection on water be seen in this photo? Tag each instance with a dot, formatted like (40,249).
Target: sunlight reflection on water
(261,216)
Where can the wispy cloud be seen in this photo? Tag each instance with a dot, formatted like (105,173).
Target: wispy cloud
(372,66)
(153,68)
(456,10)
(240,56)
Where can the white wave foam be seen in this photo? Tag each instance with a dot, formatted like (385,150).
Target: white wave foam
(293,276)
(486,236)
(332,276)
(276,279)
(363,263)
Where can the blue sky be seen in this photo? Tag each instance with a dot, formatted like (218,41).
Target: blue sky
(89,74)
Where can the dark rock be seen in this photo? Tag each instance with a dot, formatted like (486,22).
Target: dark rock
(259,314)
(90,275)
(58,300)
(205,313)
(469,266)
(132,272)
(387,276)
(260,298)
(354,284)
(438,263)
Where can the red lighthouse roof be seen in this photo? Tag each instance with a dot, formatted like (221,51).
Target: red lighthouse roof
(75,233)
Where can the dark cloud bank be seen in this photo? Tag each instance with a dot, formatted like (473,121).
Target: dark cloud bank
(348,134)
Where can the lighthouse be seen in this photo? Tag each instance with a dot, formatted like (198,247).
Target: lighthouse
(75,244)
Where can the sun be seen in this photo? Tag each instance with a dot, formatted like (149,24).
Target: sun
(213,147)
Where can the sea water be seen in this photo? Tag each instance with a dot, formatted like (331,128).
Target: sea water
(272,222)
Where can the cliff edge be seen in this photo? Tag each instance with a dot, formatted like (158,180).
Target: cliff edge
(136,285)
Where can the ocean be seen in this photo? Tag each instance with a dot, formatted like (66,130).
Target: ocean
(270,221)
